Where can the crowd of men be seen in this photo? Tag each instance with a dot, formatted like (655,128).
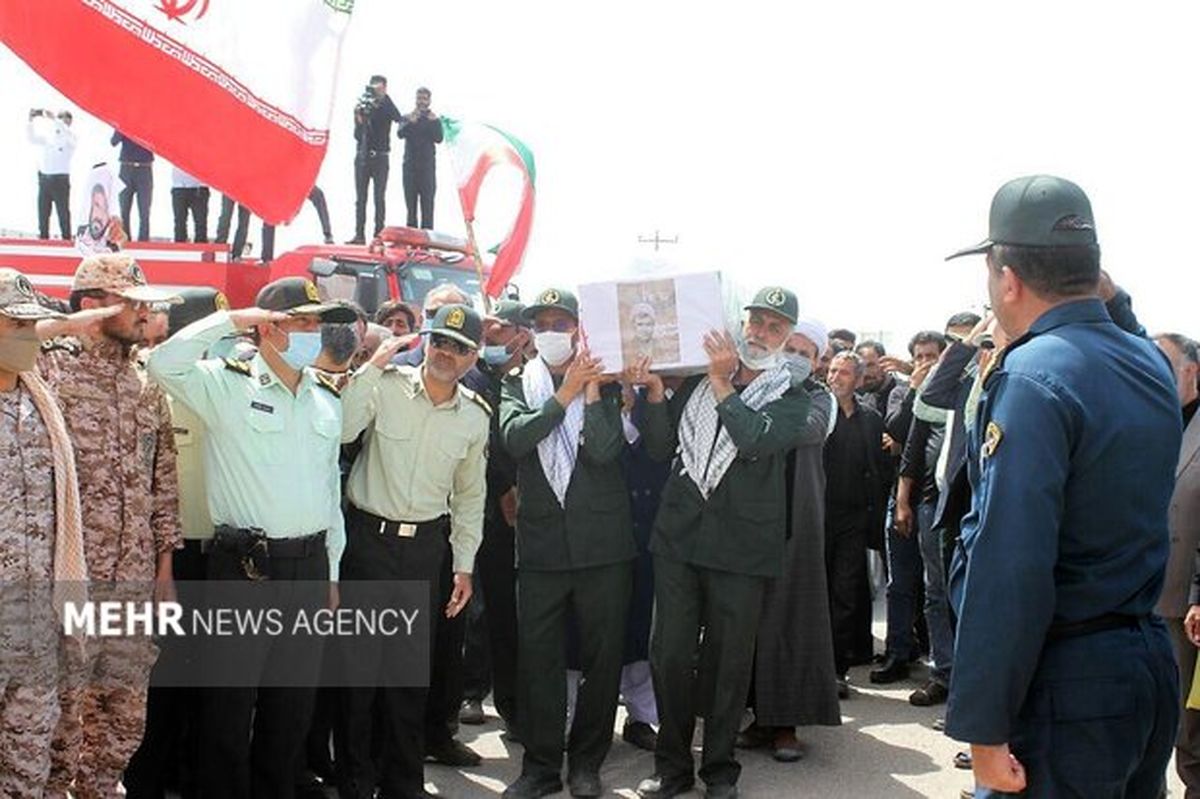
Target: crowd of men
(694,547)
(420,129)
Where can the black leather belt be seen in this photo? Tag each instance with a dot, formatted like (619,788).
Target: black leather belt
(137,163)
(244,540)
(1109,621)
(391,527)
(374,153)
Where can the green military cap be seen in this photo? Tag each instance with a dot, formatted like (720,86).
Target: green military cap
(198,302)
(18,300)
(510,312)
(777,299)
(553,298)
(298,295)
(459,322)
(1037,211)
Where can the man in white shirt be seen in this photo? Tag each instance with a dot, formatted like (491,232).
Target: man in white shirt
(189,195)
(52,132)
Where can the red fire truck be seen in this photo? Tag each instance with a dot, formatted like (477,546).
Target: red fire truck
(401,262)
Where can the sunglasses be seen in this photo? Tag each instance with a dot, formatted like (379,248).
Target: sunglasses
(445,343)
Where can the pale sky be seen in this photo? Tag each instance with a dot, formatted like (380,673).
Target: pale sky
(842,150)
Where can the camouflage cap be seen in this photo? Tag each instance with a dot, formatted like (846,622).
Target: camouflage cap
(459,322)
(118,274)
(776,299)
(18,299)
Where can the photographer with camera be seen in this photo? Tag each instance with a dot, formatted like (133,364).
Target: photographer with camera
(374,114)
(421,130)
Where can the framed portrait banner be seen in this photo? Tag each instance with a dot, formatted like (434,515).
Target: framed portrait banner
(663,316)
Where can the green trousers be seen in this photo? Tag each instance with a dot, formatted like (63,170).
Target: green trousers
(725,606)
(599,597)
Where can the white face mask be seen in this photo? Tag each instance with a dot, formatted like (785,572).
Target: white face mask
(554,348)
(799,366)
(760,363)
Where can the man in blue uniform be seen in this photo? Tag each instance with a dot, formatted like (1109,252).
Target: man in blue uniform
(1064,683)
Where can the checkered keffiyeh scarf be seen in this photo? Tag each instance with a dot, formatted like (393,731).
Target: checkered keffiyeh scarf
(557,451)
(705,447)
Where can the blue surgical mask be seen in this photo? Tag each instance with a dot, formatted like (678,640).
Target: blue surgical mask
(495,355)
(302,349)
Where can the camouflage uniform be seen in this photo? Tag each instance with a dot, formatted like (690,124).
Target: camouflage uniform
(28,648)
(125,454)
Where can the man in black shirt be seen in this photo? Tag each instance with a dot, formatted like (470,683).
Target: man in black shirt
(856,485)
(421,130)
(373,132)
(137,173)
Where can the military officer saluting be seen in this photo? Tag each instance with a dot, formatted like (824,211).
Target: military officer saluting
(422,470)
(575,549)
(1064,682)
(719,536)
(274,492)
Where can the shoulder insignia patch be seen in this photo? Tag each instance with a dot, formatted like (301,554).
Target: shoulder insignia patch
(324,382)
(474,397)
(71,346)
(993,364)
(241,367)
(991,440)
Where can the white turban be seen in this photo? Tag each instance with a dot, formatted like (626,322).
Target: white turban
(815,332)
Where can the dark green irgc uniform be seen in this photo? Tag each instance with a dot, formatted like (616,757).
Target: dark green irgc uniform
(580,556)
(712,559)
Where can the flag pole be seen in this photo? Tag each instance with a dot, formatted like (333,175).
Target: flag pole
(487,301)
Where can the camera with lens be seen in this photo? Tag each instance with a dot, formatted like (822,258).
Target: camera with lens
(367,101)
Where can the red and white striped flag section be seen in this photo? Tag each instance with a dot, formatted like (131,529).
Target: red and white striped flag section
(236,92)
(475,149)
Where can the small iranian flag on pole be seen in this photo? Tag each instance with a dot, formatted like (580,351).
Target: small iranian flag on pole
(236,92)
(476,149)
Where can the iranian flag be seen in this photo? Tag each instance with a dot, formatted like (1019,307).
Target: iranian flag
(475,150)
(236,92)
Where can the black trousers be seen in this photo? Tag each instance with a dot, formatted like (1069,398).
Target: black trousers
(495,568)
(253,738)
(240,232)
(372,555)
(139,182)
(726,607)
(54,190)
(420,184)
(599,599)
(846,536)
(317,198)
(446,662)
(169,755)
(370,169)
(193,200)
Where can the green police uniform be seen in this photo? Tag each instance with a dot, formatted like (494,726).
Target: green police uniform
(574,556)
(712,558)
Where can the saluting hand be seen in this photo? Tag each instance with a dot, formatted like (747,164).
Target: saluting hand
(460,596)
(388,349)
(85,323)
(246,318)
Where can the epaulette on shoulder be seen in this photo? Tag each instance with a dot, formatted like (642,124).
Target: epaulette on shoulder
(324,382)
(474,397)
(234,365)
(71,346)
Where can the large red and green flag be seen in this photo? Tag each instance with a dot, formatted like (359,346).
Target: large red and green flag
(476,149)
(236,92)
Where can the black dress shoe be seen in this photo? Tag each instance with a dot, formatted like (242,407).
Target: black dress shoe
(932,693)
(658,787)
(723,791)
(453,753)
(356,240)
(843,686)
(584,784)
(892,670)
(528,786)
(640,734)
(472,712)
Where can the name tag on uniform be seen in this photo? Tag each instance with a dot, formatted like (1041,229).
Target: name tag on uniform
(262,406)
(407,530)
